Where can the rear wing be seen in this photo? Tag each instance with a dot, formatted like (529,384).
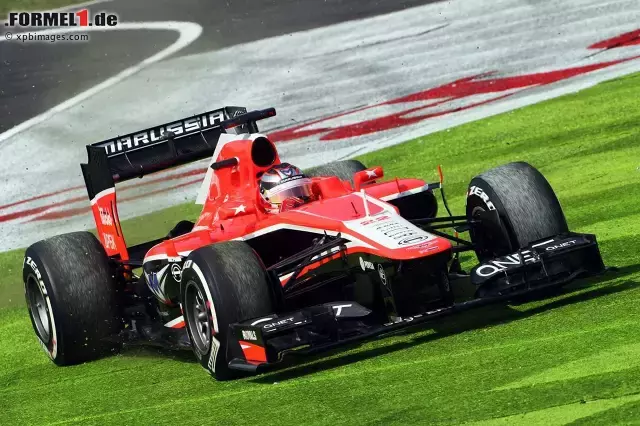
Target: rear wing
(165,146)
(151,150)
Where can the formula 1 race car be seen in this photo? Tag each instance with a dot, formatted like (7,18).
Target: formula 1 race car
(243,288)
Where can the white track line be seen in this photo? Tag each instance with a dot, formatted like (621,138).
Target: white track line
(189,32)
(79,5)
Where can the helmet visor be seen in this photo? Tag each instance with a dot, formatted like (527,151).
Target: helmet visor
(298,188)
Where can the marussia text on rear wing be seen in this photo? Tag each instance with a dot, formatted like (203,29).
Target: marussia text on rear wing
(164,146)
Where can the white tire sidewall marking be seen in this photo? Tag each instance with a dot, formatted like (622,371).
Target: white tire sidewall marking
(53,352)
(480,194)
(215,343)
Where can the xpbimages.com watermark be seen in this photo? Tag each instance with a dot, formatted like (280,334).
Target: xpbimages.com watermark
(50,38)
(57,26)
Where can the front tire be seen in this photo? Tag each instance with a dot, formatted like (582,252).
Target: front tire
(222,284)
(72,297)
(525,203)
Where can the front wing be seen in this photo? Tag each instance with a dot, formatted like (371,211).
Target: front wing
(257,344)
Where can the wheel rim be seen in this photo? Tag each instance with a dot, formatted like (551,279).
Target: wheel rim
(38,309)
(485,240)
(480,236)
(198,318)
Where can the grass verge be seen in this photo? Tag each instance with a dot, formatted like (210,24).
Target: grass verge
(571,358)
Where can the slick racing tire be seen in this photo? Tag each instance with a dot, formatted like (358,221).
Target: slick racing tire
(525,203)
(72,297)
(222,284)
(344,170)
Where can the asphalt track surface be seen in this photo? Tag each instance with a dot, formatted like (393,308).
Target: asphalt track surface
(37,76)
(340,90)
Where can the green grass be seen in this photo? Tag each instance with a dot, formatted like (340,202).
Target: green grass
(572,358)
(7,6)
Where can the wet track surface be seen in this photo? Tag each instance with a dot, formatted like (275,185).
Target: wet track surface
(37,76)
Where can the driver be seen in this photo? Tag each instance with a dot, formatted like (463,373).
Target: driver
(284,187)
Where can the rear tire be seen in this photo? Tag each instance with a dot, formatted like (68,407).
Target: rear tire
(344,170)
(525,202)
(72,297)
(222,284)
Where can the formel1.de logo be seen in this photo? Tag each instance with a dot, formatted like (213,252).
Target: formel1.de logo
(81,18)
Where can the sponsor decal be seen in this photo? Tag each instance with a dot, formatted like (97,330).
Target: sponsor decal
(287,179)
(215,347)
(501,264)
(403,233)
(249,335)
(278,323)
(425,247)
(414,317)
(187,264)
(428,249)
(349,310)
(364,264)
(561,245)
(339,308)
(516,259)
(289,171)
(261,320)
(474,190)
(50,348)
(105,216)
(176,272)
(36,271)
(377,219)
(81,18)
(153,135)
(109,241)
(383,276)
(412,240)
(155,281)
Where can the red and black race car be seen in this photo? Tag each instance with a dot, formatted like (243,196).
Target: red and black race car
(244,287)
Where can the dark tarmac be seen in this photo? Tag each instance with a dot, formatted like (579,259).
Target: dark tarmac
(38,76)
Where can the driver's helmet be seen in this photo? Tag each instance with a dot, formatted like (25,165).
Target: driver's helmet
(283,187)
